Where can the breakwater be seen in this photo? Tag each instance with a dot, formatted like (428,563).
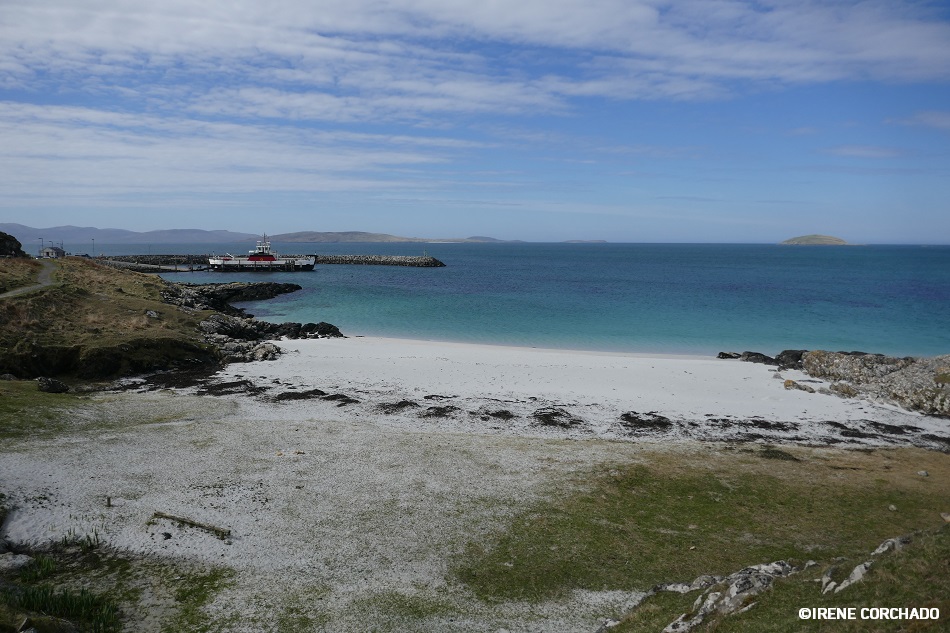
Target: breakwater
(161,260)
(171,263)
(422,261)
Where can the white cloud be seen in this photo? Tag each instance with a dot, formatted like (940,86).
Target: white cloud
(933,118)
(468,56)
(864,151)
(79,151)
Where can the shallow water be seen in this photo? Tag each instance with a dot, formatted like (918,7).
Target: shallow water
(672,298)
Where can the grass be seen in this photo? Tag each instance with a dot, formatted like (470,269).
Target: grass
(677,516)
(24,410)
(93,323)
(18,272)
(915,577)
(192,594)
(96,613)
(101,591)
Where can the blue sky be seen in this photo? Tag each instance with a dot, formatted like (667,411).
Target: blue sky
(542,120)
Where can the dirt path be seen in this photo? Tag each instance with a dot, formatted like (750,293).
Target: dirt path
(44,279)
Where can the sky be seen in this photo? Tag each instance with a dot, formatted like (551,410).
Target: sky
(540,120)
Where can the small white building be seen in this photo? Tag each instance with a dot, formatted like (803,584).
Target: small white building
(52,252)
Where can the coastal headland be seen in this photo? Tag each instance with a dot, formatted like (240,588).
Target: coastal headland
(301,480)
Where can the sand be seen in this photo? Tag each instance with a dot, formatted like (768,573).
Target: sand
(333,510)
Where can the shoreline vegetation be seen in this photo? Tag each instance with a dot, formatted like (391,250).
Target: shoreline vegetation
(345,483)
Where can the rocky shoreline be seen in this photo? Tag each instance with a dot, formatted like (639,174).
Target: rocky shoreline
(238,336)
(916,384)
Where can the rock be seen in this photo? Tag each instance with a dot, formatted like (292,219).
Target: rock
(152,314)
(51,385)
(791,358)
(945,516)
(219,297)
(891,544)
(320,330)
(843,389)
(265,351)
(791,384)
(892,508)
(728,355)
(10,246)
(732,594)
(827,584)
(7,377)
(917,384)
(12,562)
(778,376)
(923,473)
(756,357)
(857,574)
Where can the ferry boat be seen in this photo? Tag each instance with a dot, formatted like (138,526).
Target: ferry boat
(262,258)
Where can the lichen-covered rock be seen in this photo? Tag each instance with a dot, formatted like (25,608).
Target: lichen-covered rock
(843,389)
(918,384)
(851,366)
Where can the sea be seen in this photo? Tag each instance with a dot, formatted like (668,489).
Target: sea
(651,298)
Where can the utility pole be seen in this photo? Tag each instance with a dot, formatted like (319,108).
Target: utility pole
(93,247)
(41,247)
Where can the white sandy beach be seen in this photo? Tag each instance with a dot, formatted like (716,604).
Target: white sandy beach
(352,504)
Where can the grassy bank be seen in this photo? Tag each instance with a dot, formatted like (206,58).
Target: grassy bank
(673,517)
(94,322)
(18,272)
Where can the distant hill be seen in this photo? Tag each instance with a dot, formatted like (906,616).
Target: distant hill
(816,240)
(28,236)
(85,234)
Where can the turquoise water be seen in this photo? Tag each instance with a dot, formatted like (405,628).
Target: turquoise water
(672,298)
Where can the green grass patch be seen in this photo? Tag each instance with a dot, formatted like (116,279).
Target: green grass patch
(25,410)
(95,612)
(193,593)
(674,518)
(411,606)
(41,568)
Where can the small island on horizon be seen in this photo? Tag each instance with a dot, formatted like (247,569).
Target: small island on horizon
(815,240)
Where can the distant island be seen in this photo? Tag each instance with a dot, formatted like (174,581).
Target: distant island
(816,240)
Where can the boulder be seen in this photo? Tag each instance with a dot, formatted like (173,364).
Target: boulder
(756,357)
(728,355)
(320,330)
(791,384)
(51,385)
(791,358)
